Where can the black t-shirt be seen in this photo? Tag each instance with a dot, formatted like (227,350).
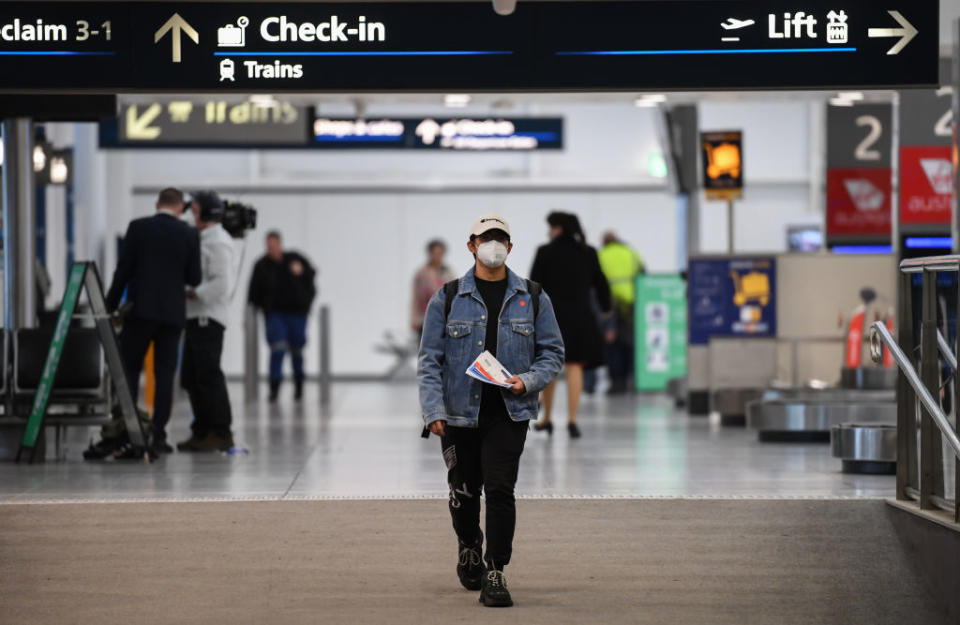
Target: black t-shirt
(491,401)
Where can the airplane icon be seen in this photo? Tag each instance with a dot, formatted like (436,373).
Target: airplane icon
(733,23)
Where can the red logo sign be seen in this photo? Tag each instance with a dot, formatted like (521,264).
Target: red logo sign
(926,185)
(858,202)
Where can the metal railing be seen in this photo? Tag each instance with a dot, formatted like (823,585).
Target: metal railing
(251,355)
(922,423)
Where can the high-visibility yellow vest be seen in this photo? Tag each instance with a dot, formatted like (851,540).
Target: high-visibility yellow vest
(620,265)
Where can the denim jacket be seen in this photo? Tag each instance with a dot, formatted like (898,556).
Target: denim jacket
(529,348)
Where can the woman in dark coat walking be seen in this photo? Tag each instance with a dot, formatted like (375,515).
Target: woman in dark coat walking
(568,270)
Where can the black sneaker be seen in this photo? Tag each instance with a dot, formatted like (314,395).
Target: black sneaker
(494,593)
(298,390)
(470,564)
(161,447)
(274,391)
(101,449)
(190,444)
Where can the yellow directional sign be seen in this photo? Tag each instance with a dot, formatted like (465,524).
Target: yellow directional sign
(167,122)
(175,26)
(138,126)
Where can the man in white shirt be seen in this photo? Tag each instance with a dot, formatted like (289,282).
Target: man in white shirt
(207,310)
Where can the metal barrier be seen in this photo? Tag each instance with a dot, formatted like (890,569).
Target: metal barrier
(922,423)
(325,373)
(251,354)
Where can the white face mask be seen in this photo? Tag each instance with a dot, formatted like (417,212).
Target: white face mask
(492,254)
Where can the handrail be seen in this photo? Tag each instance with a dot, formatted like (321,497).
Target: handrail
(949,262)
(946,352)
(880,332)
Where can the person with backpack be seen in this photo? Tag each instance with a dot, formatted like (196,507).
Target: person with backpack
(283,287)
(483,427)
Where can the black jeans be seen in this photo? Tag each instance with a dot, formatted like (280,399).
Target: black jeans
(134,342)
(202,378)
(486,458)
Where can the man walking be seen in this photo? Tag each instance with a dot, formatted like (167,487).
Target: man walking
(208,307)
(483,427)
(282,286)
(160,257)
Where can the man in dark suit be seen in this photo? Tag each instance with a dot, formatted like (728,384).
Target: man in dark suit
(159,259)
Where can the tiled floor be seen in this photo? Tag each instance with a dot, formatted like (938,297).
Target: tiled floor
(367,444)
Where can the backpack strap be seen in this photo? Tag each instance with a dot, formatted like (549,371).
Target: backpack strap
(535,288)
(449,291)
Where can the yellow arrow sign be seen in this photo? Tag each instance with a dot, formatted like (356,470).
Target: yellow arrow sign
(176,25)
(138,127)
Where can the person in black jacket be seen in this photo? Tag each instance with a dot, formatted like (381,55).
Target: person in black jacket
(282,286)
(159,258)
(570,273)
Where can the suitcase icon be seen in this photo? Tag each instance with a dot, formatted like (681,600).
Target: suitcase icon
(231,36)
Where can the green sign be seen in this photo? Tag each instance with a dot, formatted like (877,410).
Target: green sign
(661,331)
(40,400)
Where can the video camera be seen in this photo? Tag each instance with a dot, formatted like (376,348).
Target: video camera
(238,218)
(235,217)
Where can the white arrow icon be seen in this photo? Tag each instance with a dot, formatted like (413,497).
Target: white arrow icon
(138,127)
(906,34)
(176,25)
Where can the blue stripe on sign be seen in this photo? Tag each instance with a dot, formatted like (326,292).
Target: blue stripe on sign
(695,52)
(53,53)
(370,53)
(928,242)
(335,139)
(542,136)
(862,249)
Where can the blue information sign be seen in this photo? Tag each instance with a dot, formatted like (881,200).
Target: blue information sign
(731,297)
(460,134)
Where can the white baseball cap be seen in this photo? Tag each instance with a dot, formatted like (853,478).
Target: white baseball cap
(489,222)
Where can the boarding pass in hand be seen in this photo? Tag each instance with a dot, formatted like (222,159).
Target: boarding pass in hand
(487,368)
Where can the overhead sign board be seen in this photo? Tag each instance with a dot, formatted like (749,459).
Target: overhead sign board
(722,164)
(859,183)
(416,46)
(461,134)
(210,123)
(926,187)
(926,162)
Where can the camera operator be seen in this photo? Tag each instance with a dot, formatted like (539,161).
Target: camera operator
(207,313)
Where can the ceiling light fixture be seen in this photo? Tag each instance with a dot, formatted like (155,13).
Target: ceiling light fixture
(853,96)
(456,100)
(265,100)
(649,100)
